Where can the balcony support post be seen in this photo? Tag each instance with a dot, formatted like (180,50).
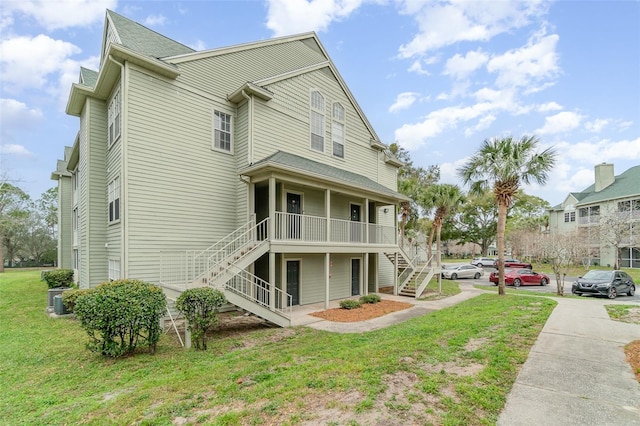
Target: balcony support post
(365,274)
(272,208)
(272,280)
(366,220)
(327,212)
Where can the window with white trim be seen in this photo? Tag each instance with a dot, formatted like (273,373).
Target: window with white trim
(75,219)
(114,117)
(114,269)
(113,193)
(222,131)
(316,120)
(337,130)
(570,216)
(76,259)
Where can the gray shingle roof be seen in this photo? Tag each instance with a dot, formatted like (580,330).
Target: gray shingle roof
(143,40)
(88,77)
(626,184)
(347,178)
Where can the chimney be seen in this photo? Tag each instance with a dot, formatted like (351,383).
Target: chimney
(604,176)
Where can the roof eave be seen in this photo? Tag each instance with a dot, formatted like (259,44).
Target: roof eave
(275,166)
(250,89)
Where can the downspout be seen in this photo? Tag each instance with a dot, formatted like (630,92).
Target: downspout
(124,220)
(249,127)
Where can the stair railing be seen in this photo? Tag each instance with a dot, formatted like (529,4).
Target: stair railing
(423,284)
(259,291)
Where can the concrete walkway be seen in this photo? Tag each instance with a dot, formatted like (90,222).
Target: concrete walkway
(576,372)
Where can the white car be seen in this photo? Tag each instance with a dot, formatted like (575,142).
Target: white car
(454,272)
(483,261)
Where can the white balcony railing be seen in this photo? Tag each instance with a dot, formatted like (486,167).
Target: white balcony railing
(587,220)
(306,228)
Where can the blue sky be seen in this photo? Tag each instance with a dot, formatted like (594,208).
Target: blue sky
(438,77)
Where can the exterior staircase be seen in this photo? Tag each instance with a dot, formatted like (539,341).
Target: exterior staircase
(223,266)
(413,273)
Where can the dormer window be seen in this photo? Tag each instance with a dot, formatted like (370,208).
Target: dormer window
(316,119)
(337,130)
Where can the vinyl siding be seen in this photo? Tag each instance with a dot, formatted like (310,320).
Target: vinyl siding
(311,277)
(92,203)
(340,270)
(285,119)
(114,170)
(386,269)
(65,225)
(240,142)
(178,188)
(232,70)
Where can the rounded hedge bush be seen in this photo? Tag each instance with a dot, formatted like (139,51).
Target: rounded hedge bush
(370,298)
(58,278)
(350,304)
(69,297)
(200,308)
(119,315)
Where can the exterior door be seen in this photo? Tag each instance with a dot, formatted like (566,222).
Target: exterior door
(294,222)
(355,277)
(293,281)
(356,230)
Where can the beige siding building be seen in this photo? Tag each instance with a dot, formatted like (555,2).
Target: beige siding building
(605,213)
(249,168)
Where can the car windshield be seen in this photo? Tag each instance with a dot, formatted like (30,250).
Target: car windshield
(598,275)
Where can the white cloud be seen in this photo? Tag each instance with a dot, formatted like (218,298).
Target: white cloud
(534,62)
(416,67)
(596,125)
(286,17)
(403,101)
(600,150)
(461,66)
(483,124)
(155,20)
(14,149)
(561,122)
(15,115)
(58,14)
(413,136)
(549,106)
(445,23)
(27,62)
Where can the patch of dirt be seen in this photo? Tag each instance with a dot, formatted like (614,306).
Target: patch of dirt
(632,350)
(365,312)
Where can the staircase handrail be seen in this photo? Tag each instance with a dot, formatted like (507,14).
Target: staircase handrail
(426,280)
(236,244)
(222,242)
(256,290)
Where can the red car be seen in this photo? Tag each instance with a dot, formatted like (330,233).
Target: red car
(513,263)
(518,277)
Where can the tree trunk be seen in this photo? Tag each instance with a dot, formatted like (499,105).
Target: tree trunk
(502,222)
(438,256)
(430,244)
(1,253)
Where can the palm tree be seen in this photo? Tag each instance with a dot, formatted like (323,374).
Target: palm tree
(444,198)
(503,164)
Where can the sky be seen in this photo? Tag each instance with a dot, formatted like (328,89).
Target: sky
(437,77)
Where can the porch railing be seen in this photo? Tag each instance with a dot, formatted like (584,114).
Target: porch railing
(182,268)
(307,228)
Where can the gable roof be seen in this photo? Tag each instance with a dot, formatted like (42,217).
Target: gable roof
(141,39)
(624,185)
(291,162)
(88,77)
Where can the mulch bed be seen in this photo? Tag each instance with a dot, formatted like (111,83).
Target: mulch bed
(363,313)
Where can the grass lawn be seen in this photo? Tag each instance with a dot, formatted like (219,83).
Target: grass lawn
(450,367)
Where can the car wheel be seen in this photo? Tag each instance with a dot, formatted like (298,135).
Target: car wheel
(632,290)
(454,276)
(543,281)
(477,276)
(516,282)
(530,267)
(612,293)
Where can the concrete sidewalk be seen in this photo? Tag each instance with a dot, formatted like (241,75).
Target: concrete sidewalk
(576,373)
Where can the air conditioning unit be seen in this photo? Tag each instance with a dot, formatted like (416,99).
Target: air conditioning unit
(58,306)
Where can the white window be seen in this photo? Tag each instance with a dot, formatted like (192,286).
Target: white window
(113,192)
(222,131)
(74,184)
(570,217)
(337,130)
(316,119)
(114,269)
(114,117)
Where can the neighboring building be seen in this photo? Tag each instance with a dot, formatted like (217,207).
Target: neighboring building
(614,199)
(249,168)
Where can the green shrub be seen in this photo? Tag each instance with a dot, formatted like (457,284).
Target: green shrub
(69,297)
(370,298)
(350,304)
(119,315)
(58,278)
(200,308)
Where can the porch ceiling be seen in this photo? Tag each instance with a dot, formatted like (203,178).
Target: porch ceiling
(323,175)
